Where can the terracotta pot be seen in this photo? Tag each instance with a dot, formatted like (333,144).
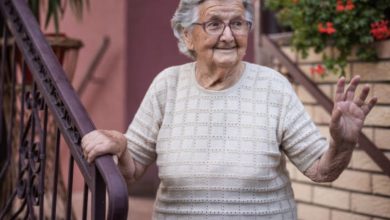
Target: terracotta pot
(65,48)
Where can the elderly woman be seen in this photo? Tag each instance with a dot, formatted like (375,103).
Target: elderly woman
(219,128)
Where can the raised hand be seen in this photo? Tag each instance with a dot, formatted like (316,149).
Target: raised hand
(349,112)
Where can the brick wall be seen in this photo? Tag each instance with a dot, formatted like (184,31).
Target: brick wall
(362,192)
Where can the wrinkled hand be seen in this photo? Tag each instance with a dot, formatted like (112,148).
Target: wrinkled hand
(99,142)
(349,112)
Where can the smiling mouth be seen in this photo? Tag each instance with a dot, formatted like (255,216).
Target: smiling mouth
(230,48)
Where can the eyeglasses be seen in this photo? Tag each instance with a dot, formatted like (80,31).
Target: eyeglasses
(217,27)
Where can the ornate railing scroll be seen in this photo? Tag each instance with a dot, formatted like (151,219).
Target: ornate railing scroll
(266,43)
(43,110)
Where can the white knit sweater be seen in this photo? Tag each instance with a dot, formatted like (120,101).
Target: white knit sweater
(220,154)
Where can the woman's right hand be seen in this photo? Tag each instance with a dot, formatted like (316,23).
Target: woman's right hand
(99,142)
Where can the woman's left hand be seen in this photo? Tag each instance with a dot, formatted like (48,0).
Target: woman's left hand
(349,112)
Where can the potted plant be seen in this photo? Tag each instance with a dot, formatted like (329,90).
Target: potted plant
(52,11)
(348,26)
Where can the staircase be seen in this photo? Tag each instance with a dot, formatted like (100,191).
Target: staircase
(38,109)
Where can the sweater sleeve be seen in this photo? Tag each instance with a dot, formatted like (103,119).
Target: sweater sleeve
(142,132)
(301,140)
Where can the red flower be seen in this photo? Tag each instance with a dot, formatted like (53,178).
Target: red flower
(295,1)
(350,5)
(380,30)
(319,69)
(340,6)
(329,29)
(347,7)
(321,28)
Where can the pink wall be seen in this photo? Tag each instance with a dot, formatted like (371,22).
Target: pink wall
(103,98)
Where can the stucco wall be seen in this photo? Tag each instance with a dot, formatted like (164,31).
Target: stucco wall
(104,95)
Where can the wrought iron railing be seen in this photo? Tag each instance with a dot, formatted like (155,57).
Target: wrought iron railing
(34,116)
(264,42)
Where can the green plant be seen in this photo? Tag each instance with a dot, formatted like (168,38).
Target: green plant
(349,26)
(54,10)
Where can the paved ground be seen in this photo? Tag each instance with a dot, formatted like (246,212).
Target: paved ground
(139,208)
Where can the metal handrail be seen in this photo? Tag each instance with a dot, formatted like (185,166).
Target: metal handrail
(69,113)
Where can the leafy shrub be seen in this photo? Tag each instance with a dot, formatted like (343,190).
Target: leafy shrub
(350,26)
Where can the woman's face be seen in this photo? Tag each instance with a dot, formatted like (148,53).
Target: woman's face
(224,50)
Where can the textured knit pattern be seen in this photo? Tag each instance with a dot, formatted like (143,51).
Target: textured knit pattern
(220,154)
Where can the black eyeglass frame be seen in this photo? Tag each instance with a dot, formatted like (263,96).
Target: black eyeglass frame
(203,24)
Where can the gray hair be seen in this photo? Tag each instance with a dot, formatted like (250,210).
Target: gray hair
(187,13)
